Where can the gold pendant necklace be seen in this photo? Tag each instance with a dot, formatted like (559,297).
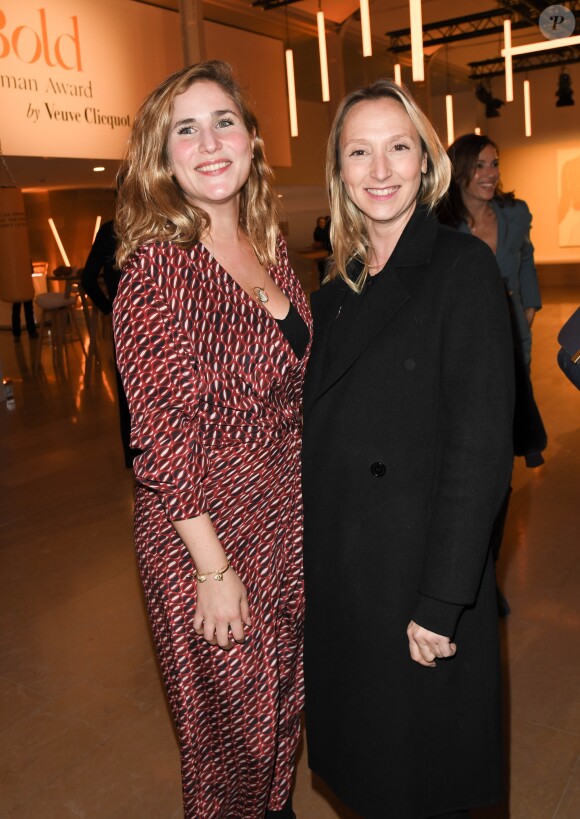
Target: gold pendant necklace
(261,295)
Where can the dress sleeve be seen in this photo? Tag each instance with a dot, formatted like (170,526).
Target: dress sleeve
(159,373)
(529,286)
(476,453)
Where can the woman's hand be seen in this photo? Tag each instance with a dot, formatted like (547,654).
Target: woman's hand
(426,646)
(222,608)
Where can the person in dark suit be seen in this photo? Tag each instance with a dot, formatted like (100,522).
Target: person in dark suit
(101,259)
(406,459)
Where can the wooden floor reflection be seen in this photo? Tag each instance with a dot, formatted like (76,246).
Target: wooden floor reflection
(84,728)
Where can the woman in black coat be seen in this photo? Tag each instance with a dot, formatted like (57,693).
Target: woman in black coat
(407,456)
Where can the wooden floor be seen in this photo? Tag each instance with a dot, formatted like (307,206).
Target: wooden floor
(84,727)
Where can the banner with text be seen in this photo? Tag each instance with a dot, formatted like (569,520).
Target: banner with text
(74,72)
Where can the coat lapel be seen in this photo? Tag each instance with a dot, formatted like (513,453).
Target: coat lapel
(389,291)
(326,304)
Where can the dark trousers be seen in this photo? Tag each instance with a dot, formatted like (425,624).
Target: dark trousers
(28,316)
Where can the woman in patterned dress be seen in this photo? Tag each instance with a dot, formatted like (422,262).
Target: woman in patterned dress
(212,333)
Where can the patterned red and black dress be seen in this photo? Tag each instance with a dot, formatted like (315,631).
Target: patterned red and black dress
(215,394)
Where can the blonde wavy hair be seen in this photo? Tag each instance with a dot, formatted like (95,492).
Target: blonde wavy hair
(348,232)
(151,207)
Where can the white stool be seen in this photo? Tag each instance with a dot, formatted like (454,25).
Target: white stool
(60,309)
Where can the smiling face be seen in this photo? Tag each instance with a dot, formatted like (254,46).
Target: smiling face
(209,148)
(381,160)
(485,177)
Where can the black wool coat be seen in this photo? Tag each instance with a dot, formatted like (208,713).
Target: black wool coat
(407,456)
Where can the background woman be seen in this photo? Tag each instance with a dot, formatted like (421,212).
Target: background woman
(407,453)
(477,204)
(212,335)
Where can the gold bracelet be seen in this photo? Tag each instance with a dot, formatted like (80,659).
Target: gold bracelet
(217,574)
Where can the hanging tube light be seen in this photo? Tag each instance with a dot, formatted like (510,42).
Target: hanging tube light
(509,76)
(323,57)
(417,40)
(450,126)
(545,45)
(527,109)
(291,93)
(97,227)
(365,24)
(398,78)
(59,242)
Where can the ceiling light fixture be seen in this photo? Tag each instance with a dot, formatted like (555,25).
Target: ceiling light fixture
(291,82)
(417,40)
(492,105)
(99,169)
(509,75)
(527,109)
(564,91)
(450,126)
(397,71)
(545,45)
(449,103)
(97,226)
(323,57)
(58,241)
(291,93)
(365,24)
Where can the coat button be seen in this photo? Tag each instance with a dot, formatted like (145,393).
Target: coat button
(378,469)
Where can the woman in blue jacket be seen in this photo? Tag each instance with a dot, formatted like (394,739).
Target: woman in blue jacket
(476,204)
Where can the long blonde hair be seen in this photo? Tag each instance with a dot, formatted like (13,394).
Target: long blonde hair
(348,232)
(152,207)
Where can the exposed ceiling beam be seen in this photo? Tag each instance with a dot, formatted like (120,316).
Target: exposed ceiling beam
(458,28)
(527,62)
(471,26)
(273,4)
(529,10)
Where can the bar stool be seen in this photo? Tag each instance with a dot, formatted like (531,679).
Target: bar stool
(60,309)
